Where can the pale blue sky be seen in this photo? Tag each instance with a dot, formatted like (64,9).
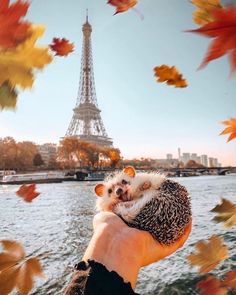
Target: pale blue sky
(143,117)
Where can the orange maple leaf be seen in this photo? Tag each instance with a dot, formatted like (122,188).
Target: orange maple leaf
(27,192)
(231,129)
(223,30)
(170,75)
(62,47)
(13,30)
(122,5)
(211,286)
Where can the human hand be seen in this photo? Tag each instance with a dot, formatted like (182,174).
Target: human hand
(125,249)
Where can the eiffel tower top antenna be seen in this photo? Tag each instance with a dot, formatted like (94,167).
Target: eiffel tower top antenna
(86,123)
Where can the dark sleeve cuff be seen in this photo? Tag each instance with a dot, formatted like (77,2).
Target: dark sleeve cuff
(93,278)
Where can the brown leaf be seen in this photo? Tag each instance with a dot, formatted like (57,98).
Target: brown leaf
(16,272)
(209,254)
(170,75)
(226,213)
(211,286)
(13,252)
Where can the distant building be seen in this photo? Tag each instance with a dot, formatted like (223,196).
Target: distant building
(47,151)
(194,157)
(213,162)
(169,156)
(179,154)
(185,157)
(204,160)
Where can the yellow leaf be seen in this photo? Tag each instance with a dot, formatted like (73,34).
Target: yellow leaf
(209,254)
(18,65)
(226,213)
(203,14)
(8,96)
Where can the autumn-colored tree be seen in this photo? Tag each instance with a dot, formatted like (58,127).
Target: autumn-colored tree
(38,161)
(193,164)
(8,153)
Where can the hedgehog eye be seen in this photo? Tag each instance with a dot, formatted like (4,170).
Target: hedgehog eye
(109,191)
(124,181)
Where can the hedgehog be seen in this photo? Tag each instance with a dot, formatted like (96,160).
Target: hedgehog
(146,201)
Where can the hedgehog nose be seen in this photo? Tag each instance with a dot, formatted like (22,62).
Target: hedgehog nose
(119,191)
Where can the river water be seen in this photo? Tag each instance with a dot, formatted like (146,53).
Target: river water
(58,226)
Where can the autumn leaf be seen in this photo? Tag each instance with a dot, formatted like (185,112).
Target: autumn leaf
(211,286)
(204,12)
(62,47)
(27,192)
(230,280)
(231,129)
(15,270)
(209,254)
(122,5)
(8,96)
(13,30)
(170,75)
(226,213)
(18,66)
(223,30)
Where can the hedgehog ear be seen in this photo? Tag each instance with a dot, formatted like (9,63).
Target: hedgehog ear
(99,189)
(130,171)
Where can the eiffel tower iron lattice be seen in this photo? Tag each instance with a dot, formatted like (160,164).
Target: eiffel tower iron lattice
(86,123)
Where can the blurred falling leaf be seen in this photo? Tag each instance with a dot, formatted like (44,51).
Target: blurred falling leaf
(211,286)
(122,5)
(223,30)
(226,213)
(170,75)
(15,270)
(12,29)
(18,65)
(203,14)
(27,192)
(8,96)
(209,254)
(230,280)
(62,47)
(231,129)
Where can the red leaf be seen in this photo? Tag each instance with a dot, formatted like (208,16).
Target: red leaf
(122,5)
(12,29)
(62,47)
(223,29)
(27,192)
(211,286)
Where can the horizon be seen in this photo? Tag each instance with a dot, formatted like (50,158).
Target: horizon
(144,118)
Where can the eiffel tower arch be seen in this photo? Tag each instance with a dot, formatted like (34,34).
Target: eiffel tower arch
(86,123)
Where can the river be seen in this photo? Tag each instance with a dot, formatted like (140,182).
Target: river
(58,226)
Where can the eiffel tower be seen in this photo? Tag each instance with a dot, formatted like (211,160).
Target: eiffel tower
(86,123)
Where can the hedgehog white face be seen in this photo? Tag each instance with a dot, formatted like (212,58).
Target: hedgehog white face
(114,190)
